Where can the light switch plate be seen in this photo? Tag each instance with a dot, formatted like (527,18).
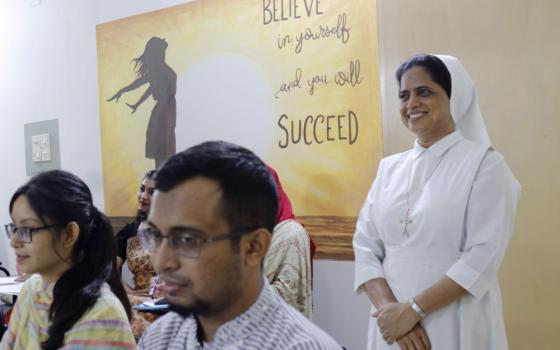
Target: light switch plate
(42,148)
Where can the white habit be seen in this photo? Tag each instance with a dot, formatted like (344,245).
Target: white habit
(462,201)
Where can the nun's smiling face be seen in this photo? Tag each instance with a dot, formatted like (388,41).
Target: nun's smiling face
(424,106)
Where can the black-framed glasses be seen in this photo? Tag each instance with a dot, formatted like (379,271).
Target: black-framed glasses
(23,234)
(186,242)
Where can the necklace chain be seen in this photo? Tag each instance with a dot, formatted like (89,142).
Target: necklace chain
(407,220)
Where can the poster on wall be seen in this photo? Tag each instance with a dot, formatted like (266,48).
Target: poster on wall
(297,82)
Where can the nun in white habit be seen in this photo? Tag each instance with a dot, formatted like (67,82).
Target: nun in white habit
(436,223)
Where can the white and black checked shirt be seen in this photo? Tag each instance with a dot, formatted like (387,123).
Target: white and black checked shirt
(270,324)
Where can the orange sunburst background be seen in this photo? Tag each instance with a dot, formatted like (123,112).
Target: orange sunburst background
(230,72)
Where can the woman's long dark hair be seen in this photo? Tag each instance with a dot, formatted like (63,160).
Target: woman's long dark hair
(153,56)
(60,198)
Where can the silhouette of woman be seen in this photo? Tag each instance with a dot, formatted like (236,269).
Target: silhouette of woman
(150,67)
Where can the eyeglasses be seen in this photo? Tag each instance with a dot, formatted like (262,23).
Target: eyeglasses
(186,243)
(23,234)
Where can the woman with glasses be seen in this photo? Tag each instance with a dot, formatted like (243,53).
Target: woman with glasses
(75,298)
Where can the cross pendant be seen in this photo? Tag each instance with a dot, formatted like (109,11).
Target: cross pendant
(406,221)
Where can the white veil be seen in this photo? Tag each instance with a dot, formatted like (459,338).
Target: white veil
(464,102)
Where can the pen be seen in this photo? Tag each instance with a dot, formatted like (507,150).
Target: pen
(152,290)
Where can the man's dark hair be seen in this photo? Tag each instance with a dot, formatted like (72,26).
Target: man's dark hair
(433,65)
(249,194)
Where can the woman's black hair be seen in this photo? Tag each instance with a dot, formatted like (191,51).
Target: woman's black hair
(150,174)
(59,198)
(433,65)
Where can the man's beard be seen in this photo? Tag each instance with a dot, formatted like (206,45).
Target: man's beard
(198,308)
(230,290)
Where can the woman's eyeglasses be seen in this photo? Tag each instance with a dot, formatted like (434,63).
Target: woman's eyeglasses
(23,234)
(186,243)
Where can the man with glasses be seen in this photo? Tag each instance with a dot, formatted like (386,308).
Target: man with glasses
(208,231)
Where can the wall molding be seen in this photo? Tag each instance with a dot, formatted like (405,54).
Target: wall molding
(332,234)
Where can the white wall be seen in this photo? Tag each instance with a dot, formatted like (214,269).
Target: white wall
(337,310)
(48,70)
(109,10)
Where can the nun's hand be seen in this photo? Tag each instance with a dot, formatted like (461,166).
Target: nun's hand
(416,339)
(395,320)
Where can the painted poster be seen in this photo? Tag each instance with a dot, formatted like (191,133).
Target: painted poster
(296,81)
